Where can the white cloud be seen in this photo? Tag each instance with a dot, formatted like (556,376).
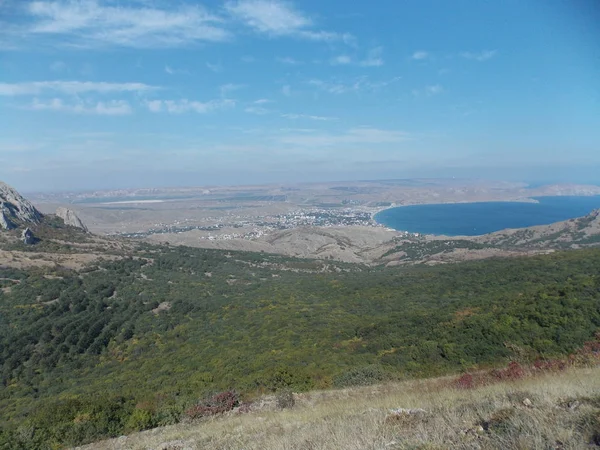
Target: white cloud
(353,136)
(341,60)
(327,36)
(374,58)
(171,71)
(289,60)
(269,16)
(217,67)
(58,66)
(479,56)
(355,85)
(110,108)
(420,54)
(70,87)
(286,90)
(278,18)
(185,105)
(229,87)
(89,23)
(334,87)
(258,110)
(307,116)
(262,101)
(435,89)
(154,105)
(428,90)
(248,59)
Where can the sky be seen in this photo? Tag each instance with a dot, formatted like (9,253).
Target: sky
(104,94)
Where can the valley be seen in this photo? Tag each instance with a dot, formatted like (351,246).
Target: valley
(84,315)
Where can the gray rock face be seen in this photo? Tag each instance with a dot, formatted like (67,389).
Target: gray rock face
(5,222)
(70,218)
(27,237)
(15,209)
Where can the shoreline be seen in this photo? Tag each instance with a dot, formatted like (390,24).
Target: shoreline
(531,200)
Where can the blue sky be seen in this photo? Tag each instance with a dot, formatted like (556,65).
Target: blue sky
(115,93)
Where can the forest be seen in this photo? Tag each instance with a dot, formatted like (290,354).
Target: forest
(130,344)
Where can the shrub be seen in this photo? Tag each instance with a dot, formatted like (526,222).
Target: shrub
(514,371)
(362,376)
(285,399)
(465,381)
(140,419)
(217,404)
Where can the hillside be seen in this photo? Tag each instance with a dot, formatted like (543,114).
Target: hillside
(551,411)
(575,233)
(196,321)
(100,337)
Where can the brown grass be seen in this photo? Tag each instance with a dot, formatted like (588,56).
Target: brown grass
(563,412)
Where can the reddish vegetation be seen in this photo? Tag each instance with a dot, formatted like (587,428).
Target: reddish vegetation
(588,354)
(217,404)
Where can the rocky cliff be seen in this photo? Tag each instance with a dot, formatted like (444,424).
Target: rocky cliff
(70,218)
(15,210)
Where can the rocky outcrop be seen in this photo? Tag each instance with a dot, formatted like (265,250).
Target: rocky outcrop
(27,237)
(5,222)
(15,210)
(70,218)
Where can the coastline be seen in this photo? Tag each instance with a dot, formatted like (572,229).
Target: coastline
(544,220)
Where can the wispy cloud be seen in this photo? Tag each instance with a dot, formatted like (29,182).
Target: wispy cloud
(90,23)
(420,55)
(479,56)
(355,85)
(258,110)
(262,101)
(286,90)
(289,60)
(428,91)
(277,18)
(225,89)
(70,87)
(58,66)
(341,60)
(215,67)
(248,59)
(171,71)
(309,117)
(335,87)
(374,58)
(185,105)
(109,108)
(433,90)
(353,136)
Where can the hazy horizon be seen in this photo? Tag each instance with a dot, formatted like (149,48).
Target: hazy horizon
(99,94)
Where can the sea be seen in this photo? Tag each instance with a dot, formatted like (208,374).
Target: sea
(472,219)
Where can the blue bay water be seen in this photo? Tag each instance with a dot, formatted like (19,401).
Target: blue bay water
(471,219)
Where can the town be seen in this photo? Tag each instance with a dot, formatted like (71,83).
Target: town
(258,226)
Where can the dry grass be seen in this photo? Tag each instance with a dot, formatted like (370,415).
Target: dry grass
(563,413)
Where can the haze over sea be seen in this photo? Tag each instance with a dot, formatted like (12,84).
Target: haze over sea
(472,219)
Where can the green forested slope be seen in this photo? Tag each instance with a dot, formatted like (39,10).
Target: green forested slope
(83,354)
